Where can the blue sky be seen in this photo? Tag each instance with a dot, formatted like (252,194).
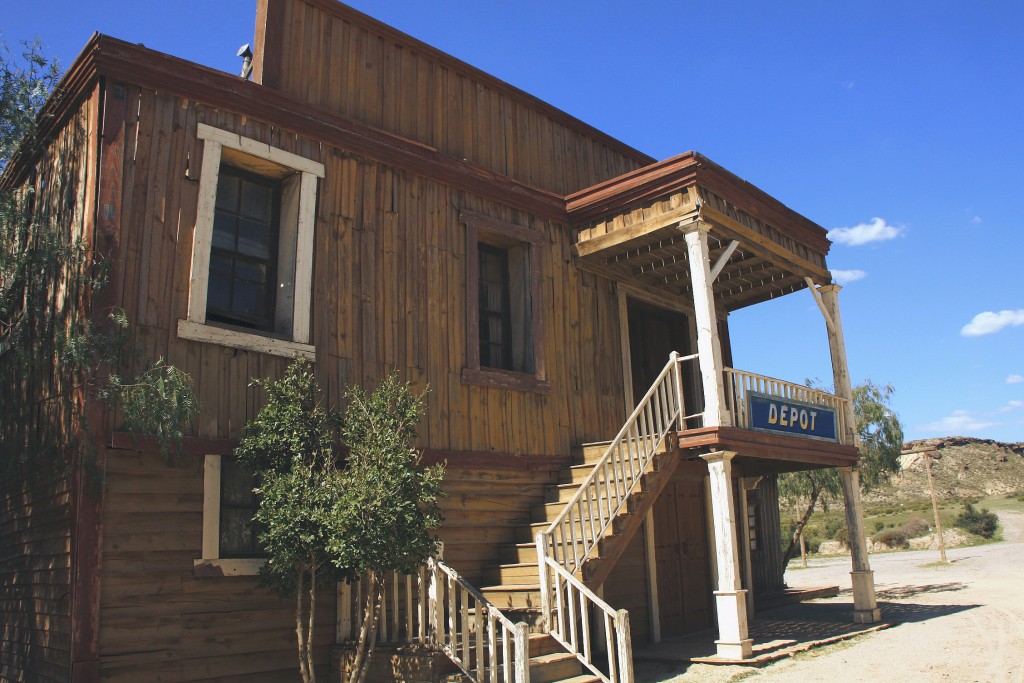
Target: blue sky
(896,125)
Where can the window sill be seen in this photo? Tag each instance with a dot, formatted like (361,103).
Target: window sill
(505,379)
(248,341)
(219,567)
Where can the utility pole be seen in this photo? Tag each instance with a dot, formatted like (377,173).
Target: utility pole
(935,506)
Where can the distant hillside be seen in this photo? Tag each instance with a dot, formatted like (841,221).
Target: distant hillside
(963,468)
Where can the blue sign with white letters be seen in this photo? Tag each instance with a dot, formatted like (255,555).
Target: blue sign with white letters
(796,418)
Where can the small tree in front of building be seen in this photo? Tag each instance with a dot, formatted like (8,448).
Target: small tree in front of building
(325,517)
(390,501)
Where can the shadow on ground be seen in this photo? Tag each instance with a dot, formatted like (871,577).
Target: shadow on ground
(787,630)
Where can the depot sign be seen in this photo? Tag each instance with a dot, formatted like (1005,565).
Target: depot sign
(796,418)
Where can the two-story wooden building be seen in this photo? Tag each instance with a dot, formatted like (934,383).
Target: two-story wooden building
(376,205)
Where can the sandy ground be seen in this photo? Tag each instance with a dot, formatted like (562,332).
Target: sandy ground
(971,626)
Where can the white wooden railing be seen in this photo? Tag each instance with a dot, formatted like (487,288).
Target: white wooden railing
(570,625)
(738,384)
(574,534)
(438,608)
(572,537)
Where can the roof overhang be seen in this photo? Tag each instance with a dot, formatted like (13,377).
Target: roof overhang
(632,228)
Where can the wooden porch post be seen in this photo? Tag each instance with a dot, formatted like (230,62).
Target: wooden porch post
(730,598)
(865,607)
(708,345)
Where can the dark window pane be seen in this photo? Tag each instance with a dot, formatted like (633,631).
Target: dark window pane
(256,201)
(227,192)
(225,226)
(238,504)
(242,258)
(253,238)
(236,483)
(246,299)
(251,272)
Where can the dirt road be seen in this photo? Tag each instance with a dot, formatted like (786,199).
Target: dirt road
(969,625)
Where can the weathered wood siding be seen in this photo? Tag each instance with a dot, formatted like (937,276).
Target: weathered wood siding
(160,622)
(626,588)
(332,56)
(389,293)
(39,421)
(35,575)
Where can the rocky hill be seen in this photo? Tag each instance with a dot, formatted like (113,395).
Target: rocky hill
(963,467)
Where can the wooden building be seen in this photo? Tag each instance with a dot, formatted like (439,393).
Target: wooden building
(376,205)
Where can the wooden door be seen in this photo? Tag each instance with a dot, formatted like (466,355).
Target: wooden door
(654,333)
(681,556)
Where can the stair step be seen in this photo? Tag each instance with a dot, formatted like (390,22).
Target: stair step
(544,644)
(510,573)
(557,666)
(517,553)
(512,596)
(591,453)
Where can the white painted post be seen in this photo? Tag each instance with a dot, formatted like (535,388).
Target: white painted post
(730,598)
(708,345)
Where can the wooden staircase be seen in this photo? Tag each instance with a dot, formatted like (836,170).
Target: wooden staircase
(548,663)
(512,584)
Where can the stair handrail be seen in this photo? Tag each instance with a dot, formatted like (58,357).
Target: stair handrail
(444,611)
(494,648)
(571,626)
(619,470)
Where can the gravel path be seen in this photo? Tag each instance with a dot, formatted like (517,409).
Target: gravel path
(970,625)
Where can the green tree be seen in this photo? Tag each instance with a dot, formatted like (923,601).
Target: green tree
(26,80)
(292,448)
(881,439)
(390,502)
(323,518)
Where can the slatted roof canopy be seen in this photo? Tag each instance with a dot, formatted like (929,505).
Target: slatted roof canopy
(632,228)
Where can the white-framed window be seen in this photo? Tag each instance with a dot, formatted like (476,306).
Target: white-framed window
(230,547)
(251,279)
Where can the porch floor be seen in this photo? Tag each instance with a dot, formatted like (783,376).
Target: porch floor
(777,633)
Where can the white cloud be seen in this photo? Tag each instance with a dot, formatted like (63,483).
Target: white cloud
(845,277)
(875,231)
(1012,405)
(1014,379)
(988,322)
(976,220)
(958,423)
(848,85)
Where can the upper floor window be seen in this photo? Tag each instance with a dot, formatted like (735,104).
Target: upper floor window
(252,250)
(504,330)
(243,256)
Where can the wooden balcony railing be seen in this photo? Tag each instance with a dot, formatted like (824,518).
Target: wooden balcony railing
(739,385)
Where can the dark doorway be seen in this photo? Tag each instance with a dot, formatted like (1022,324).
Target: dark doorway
(681,554)
(654,333)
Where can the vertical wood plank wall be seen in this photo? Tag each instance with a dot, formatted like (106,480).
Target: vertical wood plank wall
(389,294)
(335,57)
(35,497)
